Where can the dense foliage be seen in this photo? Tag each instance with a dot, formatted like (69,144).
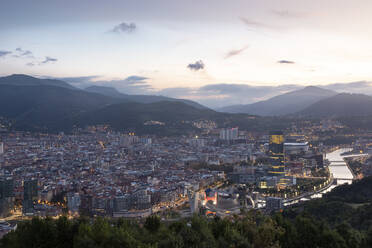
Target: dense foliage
(254,230)
(329,222)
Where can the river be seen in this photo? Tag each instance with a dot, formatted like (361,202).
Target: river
(338,167)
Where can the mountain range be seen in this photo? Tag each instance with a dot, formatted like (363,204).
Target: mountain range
(288,103)
(309,102)
(112,92)
(54,105)
(340,105)
(25,80)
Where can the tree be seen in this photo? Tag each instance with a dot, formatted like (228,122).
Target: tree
(152,223)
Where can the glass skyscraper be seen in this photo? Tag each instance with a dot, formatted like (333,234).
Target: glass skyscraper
(276,153)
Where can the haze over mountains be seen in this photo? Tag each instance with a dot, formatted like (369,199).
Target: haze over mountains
(340,105)
(112,92)
(288,103)
(24,80)
(46,104)
(52,105)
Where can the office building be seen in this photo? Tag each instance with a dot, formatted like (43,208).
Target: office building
(86,204)
(276,153)
(194,202)
(73,202)
(229,134)
(6,196)
(295,148)
(30,195)
(122,203)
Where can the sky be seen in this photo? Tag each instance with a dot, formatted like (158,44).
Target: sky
(217,52)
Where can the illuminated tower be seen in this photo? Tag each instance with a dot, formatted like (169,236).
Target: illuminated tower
(276,152)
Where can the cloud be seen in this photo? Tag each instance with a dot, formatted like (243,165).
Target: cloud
(20,53)
(4,53)
(235,52)
(211,95)
(131,85)
(254,24)
(124,28)
(198,65)
(77,80)
(286,62)
(135,80)
(244,90)
(23,53)
(219,95)
(48,60)
(352,87)
(80,82)
(287,14)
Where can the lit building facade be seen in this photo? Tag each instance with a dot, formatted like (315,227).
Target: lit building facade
(229,133)
(276,153)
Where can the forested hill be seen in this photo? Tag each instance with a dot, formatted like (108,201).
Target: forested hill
(330,222)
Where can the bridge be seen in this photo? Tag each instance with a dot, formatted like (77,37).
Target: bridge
(309,194)
(355,155)
(345,179)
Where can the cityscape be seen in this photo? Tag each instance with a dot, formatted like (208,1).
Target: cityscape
(183,124)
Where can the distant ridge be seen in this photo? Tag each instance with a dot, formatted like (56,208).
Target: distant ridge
(112,92)
(104,90)
(34,104)
(341,105)
(284,104)
(25,80)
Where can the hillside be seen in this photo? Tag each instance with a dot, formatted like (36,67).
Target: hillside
(104,90)
(112,92)
(284,104)
(49,106)
(341,105)
(33,104)
(176,117)
(25,80)
(54,109)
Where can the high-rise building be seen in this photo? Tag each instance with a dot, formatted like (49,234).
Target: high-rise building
(73,202)
(30,194)
(1,153)
(6,196)
(229,134)
(86,205)
(276,153)
(194,202)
